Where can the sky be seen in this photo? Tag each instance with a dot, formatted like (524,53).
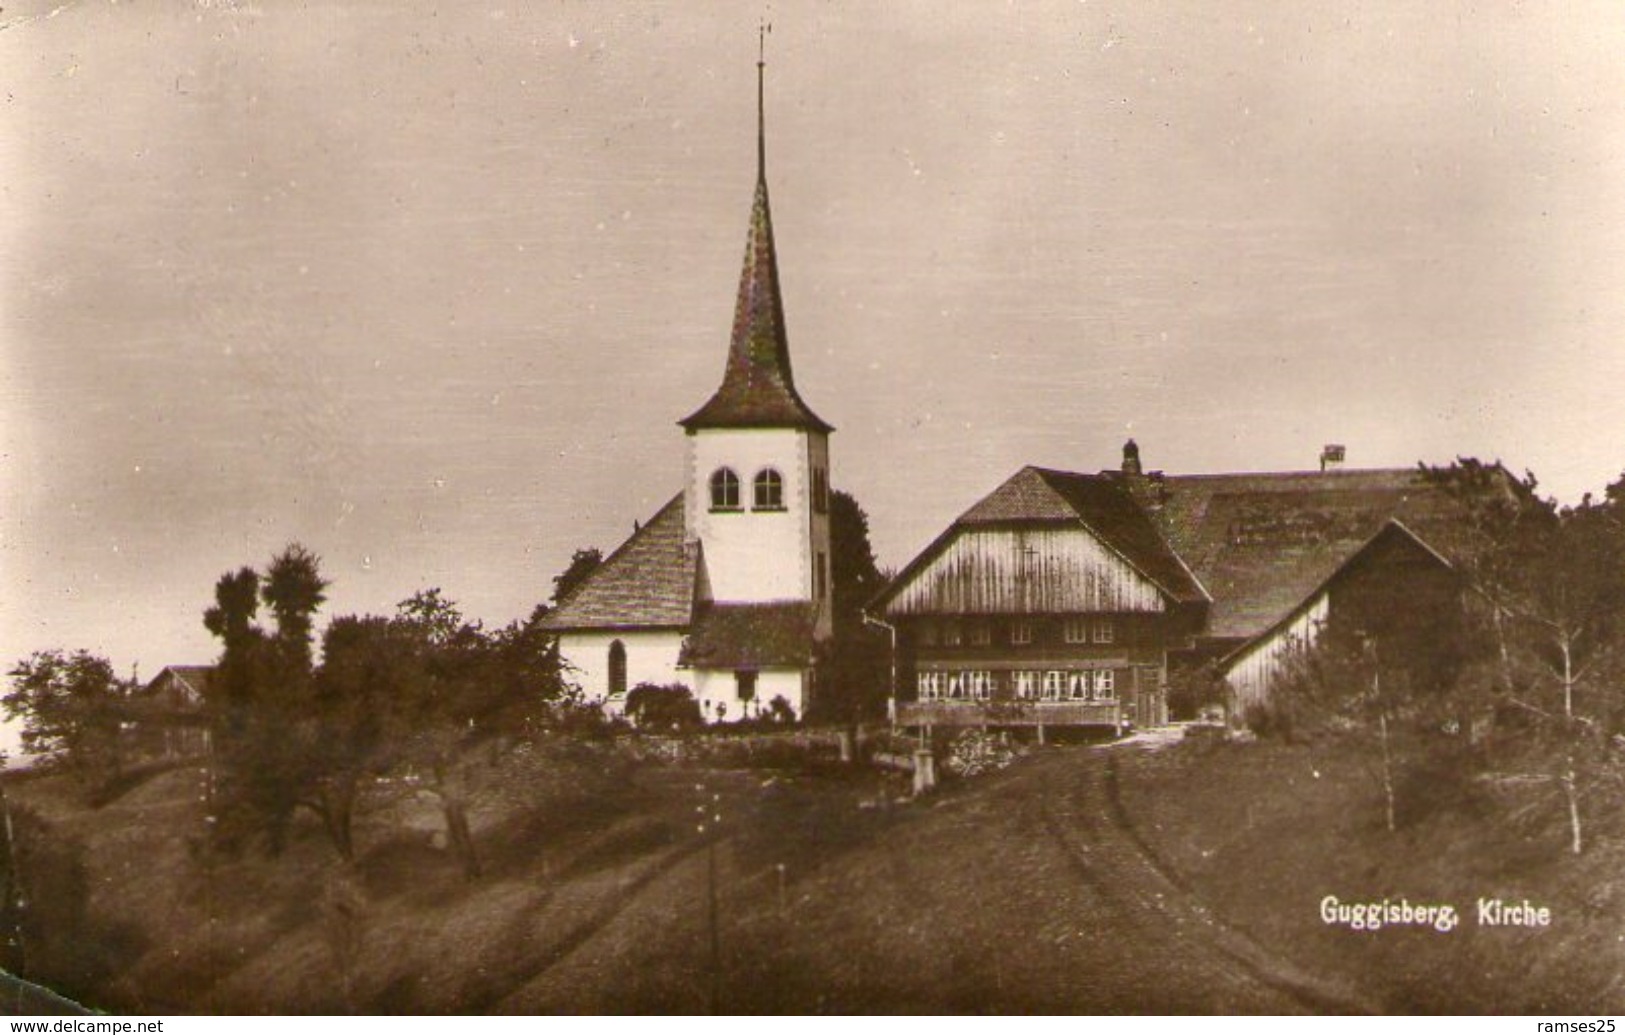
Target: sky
(425,286)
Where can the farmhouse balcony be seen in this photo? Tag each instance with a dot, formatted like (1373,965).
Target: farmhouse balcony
(1012,713)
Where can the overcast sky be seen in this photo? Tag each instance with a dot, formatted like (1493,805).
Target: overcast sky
(425,285)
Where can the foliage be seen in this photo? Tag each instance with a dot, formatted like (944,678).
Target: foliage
(582,564)
(267,737)
(421,690)
(71,706)
(1193,690)
(665,708)
(975,751)
(1551,584)
(856,663)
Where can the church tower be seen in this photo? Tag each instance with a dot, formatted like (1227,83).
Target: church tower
(727,589)
(756,495)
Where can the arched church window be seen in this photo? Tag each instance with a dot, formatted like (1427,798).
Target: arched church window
(617,668)
(724,489)
(768,490)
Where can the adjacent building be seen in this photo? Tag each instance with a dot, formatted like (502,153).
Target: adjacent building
(1066,598)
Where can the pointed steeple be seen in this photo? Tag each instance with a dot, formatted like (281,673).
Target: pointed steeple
(758,390)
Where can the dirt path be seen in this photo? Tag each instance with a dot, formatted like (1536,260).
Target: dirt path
(1028,891)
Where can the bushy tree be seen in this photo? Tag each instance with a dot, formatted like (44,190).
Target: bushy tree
(71,706)
(424,690)
(857,662)
(267,736)
(1551,581)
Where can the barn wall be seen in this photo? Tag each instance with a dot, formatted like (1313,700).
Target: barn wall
(1260,664)
(1026,571)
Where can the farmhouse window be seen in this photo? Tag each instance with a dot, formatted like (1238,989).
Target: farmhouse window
(767,490)
(980,634)
(1105,685)
(724,489)
(927,633)
(1026,685)
(956,685)
(820,490)
(1054,685)
(950,634)
(979,684)
(1077,630)
(1021,632)
(745,684)
(1077,686)
(1105,631)
(930,686)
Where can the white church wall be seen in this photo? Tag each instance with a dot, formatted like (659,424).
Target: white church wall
(651,657)
(718,692)
(753,555)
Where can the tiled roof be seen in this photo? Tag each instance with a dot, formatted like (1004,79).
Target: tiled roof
(1036,495)
(649,581)
(750,636)
(1261,543)
(758,389)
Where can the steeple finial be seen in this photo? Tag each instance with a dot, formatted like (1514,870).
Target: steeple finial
(762,30)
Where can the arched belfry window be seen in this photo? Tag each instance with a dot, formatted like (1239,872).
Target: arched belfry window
(768,490)
(724,489)
(617,668)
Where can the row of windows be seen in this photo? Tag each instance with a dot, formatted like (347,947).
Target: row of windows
(767,490)
(954,633)
(1053,685)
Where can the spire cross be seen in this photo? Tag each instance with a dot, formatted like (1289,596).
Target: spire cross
(762,30)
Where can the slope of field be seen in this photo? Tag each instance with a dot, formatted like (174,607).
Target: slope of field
(1082,879)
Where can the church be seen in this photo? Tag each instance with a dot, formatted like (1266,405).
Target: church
(726,589)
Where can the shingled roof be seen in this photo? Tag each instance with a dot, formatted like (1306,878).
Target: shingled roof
(1261,543)
(777,635)
(758,389)
(651,581)
(1039,496)
(1253,546)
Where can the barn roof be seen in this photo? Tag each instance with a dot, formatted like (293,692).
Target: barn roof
(1254,545)
(1392,530)
(649,581)
(775,635)
(1261,543)
(1036,496)
(194,677)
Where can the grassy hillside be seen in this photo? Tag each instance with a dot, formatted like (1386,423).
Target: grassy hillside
(1265,831)
(1081,879)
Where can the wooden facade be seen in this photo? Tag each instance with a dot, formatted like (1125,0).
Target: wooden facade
(995,619)
(1018,625)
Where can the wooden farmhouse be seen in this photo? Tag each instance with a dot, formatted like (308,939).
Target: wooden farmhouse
(1067,599)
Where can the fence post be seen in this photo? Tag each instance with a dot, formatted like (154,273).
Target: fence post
(925,772)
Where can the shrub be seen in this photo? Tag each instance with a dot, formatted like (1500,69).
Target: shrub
(974,752)
(663,708)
